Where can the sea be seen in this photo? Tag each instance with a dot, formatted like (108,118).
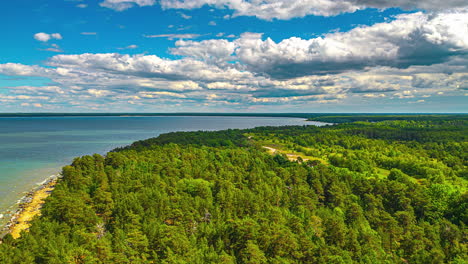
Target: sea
(34,148)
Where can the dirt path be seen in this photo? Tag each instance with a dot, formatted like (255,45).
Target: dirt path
(291,156)
(271,150)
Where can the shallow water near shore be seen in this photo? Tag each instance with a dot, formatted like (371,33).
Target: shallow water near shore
(33,148)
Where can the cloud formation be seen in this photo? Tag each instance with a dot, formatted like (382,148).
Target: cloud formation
(174,36)
(414,56)
(411,39)
(287,9)
(141,80)
(133,46)
(121,5)
(44,37)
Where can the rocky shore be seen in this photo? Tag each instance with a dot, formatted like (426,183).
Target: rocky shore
(29,207)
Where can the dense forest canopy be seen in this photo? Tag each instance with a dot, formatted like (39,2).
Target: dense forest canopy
(386,191)
(345,118)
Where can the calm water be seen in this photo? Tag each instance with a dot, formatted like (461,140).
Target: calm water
(31,149)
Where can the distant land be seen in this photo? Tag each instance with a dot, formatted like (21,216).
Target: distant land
(299,115)
(318,117)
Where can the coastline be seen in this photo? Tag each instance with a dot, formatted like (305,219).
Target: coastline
(19,198)
(29,206)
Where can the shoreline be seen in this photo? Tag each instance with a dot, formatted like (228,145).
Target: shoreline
(14,214)
(29,206)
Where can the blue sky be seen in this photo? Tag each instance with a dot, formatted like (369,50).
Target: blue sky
(233,56)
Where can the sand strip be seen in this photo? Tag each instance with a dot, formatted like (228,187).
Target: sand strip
(29,208)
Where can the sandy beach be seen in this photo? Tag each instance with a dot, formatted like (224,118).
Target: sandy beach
(29,208)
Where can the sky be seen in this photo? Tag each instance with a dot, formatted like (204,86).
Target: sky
(234,56)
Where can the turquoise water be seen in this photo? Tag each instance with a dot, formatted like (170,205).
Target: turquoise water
(33,148)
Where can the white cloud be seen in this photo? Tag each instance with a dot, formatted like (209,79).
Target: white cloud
(411,39)
(16,69)
(56,36)
(226,86)
(82,5)
(36,90)
(374,95)
(404,94)
(415,56)
(133,46)
(215,50)
(184,85)
(431,81)
(107,79)
(287,9)
(44,37)
(99,93)
(53,49)
(121,5)
(174,36)
(161,94)
(184,16)
(146,66)
(88,33)
(269,9)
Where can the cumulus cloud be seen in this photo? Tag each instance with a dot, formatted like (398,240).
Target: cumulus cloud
(411,39)
(16,69)
(409,4)
(393,60)
(99,93)
(269,9)
(44,37)
(116,78)
(437,80)
(404,94)
(226,86)
(286,9)
(36,90)
(208,50)
(184,85)
(147,66)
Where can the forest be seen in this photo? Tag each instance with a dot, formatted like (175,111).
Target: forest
(380,190)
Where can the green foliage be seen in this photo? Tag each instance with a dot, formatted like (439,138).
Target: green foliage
(346,118)
(218,197)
